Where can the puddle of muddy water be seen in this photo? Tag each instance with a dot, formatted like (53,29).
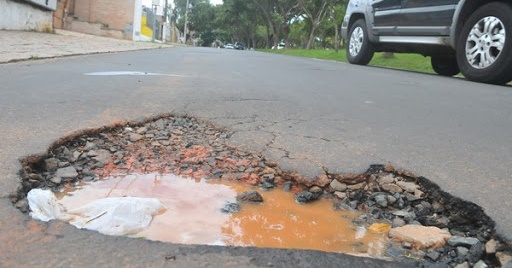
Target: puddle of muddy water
(193,215)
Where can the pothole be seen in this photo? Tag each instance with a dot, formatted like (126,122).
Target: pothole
(429,226)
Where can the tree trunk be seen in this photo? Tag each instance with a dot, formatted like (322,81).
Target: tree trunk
(311,40)
(336,37)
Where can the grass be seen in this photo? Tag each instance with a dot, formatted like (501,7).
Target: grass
(411,62)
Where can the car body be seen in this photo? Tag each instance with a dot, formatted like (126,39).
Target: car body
(239,46)
(229,46)
(470,36)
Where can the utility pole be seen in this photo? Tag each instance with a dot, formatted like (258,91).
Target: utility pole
(186,20)
(156,3)
(165,11)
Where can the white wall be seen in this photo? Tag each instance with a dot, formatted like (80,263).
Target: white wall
(16,16)
(137,17)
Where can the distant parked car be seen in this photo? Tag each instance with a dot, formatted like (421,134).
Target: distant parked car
(229,46)
(239,46)
(281,45)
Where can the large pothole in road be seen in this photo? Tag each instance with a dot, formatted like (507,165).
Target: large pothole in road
(210,193)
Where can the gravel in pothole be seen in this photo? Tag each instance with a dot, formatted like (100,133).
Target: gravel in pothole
(423,225)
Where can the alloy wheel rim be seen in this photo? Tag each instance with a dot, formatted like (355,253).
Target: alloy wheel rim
(485,42)
(356,41)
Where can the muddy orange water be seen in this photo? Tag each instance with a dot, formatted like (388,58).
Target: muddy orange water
(193,215)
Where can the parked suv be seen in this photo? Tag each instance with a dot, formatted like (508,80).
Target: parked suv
(473,37)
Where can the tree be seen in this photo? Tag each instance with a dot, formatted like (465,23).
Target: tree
(267,8)
(202,22)
(337,11)
(287,10)
(298,33)
(181,8)
(239,19)
(315,11)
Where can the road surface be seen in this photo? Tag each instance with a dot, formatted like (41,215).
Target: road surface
(308,115)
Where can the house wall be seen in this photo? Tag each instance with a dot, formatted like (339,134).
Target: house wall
(19,16)
(137,21)
(112,18)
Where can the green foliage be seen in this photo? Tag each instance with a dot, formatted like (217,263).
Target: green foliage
(411,62)
(238,20)
(264,23)
(298,35)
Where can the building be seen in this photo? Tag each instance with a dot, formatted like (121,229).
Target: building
(122,19)
(109,18)
(27,15)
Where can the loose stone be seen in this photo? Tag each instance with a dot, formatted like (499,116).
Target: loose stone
(462,265)
(135,137)
(51,164)
(231,208)
(388,179)
(266,184)
(250,196)
(397,222)
(287,187)
(316,190)
(409,187)
(476,252)
(480,264)
(340,195)
(392,188)
(342,206)
(433,255)
(56,180)
(36,177)
(338,186)
(67,173)
(490,246)
(358,186)
(462,251)
(504,259)
(381,200)
(350,179)
(306,197)
(421,237)
(391,199)
(322,180)
(456,241)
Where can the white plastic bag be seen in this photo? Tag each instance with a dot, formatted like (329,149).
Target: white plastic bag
(111,216)
(44,205)
(116,215)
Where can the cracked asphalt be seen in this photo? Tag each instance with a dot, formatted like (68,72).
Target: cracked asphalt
(310,116)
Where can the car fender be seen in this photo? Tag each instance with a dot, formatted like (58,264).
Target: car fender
(358,8)
(456,16)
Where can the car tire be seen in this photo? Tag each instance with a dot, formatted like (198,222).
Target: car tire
(484,46)
(445,65)
(359,48)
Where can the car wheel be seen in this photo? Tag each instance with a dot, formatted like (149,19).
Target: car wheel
(359,50)
(445,65)
(484,47)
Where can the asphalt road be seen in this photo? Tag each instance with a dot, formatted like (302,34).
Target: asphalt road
(307,114)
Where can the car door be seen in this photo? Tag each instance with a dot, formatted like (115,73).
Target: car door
(386,16)
(426,17)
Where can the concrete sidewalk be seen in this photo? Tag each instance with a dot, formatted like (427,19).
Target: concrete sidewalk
(25,45)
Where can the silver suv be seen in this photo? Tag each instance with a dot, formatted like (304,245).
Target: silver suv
(473,37)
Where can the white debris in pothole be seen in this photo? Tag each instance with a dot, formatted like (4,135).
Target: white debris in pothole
(111,216)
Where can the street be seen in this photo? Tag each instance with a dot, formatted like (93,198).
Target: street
(308,115)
